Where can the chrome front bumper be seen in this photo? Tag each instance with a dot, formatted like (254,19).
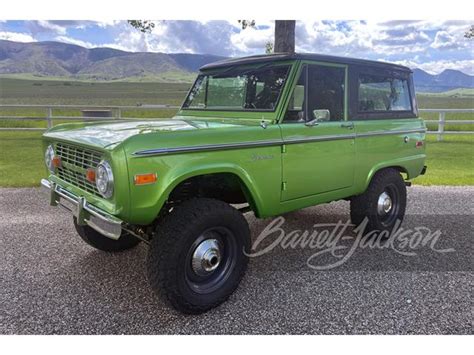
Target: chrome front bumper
(86,214)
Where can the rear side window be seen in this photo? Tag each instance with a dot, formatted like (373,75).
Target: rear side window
(379,93)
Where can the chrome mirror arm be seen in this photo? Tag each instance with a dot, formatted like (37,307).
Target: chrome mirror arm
(311,123)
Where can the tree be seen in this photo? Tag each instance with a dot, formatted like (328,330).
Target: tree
(268,48)
(246,23)
(470,32)
(284,36)
(144,26)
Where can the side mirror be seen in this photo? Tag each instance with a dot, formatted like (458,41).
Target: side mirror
(321,115)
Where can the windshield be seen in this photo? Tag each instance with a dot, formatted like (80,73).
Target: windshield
(237,88)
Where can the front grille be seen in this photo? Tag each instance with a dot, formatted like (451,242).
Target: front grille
(74,163)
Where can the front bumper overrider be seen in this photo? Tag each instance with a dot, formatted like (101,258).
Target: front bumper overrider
(85,213)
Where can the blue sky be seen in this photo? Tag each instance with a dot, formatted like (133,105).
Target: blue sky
(429,45)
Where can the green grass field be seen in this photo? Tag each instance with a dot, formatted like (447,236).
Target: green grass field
(450,162)
(57,92)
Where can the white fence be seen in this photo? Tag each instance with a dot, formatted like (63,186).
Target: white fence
(115,113)
(442,121)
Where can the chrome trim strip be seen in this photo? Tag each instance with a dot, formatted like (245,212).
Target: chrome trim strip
(57,193)
(208,147)
(319,138)
(268,143)
(389,133)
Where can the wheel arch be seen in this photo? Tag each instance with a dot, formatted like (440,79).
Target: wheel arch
(377,169)
(237,174)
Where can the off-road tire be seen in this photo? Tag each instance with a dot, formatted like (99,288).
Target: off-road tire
(101,242)
(365,205)
(176,235)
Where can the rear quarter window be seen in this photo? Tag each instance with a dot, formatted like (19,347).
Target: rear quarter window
(382,94)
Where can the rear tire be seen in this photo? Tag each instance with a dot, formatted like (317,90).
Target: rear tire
(383,203)
(101,242)
(196,259)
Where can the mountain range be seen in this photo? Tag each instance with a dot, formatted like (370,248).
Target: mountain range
(448,79)
(56,59)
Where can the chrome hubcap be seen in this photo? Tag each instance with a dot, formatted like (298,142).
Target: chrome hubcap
(206,257)
(384,204)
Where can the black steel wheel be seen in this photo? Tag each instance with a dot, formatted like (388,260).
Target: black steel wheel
(211,259)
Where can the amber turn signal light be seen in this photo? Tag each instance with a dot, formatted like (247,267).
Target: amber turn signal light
(144,179)
(90,175)
(56,161)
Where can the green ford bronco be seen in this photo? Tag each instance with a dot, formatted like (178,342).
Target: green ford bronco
(268,134)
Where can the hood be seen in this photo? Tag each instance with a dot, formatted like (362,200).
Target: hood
(109,135)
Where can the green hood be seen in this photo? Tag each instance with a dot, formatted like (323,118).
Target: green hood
(110,134)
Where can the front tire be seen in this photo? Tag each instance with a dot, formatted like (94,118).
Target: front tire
(196,259)
(383,203)
(101,242)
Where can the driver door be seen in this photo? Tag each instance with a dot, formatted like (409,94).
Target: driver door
(319,142)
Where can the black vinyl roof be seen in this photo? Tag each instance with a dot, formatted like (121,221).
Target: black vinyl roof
(267,58)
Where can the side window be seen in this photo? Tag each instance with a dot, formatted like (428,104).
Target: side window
(296,106)
(378,93)
(326,92)
(318,94)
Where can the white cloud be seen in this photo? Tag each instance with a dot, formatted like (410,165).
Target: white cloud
(42,26)
(210,37)
(17,37)
(60,27)
(451,40)
(77,42)
(444,40)
(251,40)
(131,40)
(107,23)
(359,38)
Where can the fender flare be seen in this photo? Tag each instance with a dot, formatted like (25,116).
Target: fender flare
(245,180)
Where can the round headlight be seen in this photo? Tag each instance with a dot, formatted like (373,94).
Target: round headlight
(104,179)
(48,158)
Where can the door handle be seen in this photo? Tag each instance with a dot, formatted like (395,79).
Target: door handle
(349,125)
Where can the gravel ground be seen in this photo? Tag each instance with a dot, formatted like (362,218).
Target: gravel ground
(53,283)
